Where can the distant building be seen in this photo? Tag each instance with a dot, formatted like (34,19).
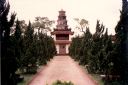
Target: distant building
(62,34)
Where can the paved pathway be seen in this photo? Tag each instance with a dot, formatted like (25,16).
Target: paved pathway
(62,68)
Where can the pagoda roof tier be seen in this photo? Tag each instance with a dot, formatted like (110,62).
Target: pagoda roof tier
(62,32)
(62,29)
(62,42)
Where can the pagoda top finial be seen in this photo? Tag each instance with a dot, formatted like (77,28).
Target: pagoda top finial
(61,10)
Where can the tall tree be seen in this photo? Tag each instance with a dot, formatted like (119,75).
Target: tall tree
(95,50)
(18,40)
(46,48)
(29,59)
(2,6)
(106,63)
(42,24)
(85,46)
(82,24)
(8,60)
(74,48)
(122,41)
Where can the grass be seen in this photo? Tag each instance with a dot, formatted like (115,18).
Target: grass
(58,82)
(27,78)
(97,78)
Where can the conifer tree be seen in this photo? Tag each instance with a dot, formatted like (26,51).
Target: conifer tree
(106,63)
(74,48)
(8,60)
(18,39)
(95,51)
(42,49)
(121,43)
(28,59)
(85,46)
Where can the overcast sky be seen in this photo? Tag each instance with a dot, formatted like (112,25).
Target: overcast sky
(107,11)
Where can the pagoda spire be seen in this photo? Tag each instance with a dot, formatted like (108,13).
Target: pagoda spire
(62,22)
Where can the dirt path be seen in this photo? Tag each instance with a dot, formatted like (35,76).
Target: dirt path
(62,68)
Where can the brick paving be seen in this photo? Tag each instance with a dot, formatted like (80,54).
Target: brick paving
(62,68)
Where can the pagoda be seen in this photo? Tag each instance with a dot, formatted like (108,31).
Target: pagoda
(62,34)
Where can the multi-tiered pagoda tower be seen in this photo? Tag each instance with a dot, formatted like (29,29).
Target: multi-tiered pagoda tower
(62,34)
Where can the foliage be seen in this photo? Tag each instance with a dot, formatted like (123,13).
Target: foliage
(46,48)
(38,49)
(95,50)
(20,46)
(43,24)
(95,54)
(28,59)
(58,82)
(101,53)
(75,47)
(8,58)
(85,46)
(82,24)
(121,44)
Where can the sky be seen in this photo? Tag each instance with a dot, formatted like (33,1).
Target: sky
(107,11)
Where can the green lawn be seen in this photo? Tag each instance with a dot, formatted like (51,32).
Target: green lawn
(98,79)
(27,78)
